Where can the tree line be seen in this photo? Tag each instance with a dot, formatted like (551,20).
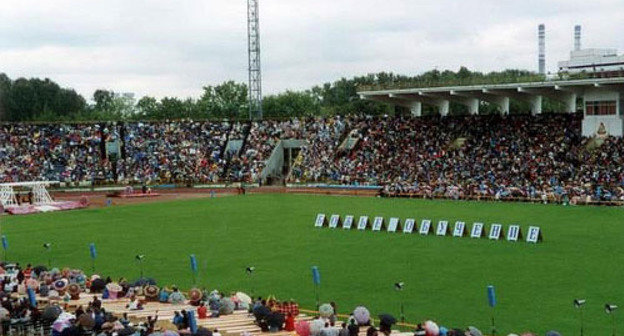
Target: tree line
(37,99)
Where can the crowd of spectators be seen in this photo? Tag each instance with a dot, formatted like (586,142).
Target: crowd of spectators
(50,152)
(173,152)
(520,156)
(67,302)
(247,165)
(538,157)
(323,137)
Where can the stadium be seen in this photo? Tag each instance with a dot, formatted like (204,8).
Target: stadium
(484,204)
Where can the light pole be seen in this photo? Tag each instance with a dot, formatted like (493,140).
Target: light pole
(398,286)
(578,304)
(48,249)
(139,258)
(610,309)
(250,270)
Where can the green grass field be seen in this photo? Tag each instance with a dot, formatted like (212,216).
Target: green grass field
(445,277)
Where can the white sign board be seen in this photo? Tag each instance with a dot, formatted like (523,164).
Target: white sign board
(363,223)
(378,223)
(477,230)
(320,220)
(348,222)
(408,225)
(534,235)
(425,226)
(393,224)
(514,233)
(496,230)
(460,229)
(334,220)
(442,229)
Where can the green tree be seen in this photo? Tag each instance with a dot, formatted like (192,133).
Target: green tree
(291,104)
(147,108)
(227,100)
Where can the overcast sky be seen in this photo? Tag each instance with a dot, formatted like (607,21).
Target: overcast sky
(169,47)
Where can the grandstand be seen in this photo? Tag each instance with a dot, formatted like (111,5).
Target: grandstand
(475,156)
(602,99)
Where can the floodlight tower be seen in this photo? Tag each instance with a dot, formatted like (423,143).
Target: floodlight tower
(255,73)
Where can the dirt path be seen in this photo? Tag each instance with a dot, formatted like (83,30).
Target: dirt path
(99,199)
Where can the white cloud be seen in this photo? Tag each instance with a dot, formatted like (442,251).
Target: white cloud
(162,47)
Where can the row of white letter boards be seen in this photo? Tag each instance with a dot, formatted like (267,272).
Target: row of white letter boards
(497,231)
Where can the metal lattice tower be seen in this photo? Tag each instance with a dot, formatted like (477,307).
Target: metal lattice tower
(255,72)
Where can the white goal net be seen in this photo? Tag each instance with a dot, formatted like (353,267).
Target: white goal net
(40,195)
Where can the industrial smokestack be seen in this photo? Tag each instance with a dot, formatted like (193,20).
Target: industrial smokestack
(577,37)
(541,59)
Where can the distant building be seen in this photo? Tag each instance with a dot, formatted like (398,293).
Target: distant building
(604,62)
(127,95)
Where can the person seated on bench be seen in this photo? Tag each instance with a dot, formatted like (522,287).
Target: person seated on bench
(202,311)
(134,304)
(289,324)
(176,297)
(177,320)
(163,296)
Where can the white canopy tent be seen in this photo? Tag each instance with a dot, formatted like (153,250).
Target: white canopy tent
(40,194)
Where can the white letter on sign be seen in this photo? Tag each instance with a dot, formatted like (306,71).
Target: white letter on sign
(496,231)
(425,226)
(378,224)
(363,223)
(514,233)
(534,235)
(477,230)
(348,222)
(460,228)
(320,220)
(393,225)
(442,228)
(408,226)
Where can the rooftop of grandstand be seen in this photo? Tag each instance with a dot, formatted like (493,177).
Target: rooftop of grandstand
(580,83)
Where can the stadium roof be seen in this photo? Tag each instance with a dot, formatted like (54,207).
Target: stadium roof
(529,85)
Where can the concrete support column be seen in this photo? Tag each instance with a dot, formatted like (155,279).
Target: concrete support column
(536,104)
(473,106)
(570,102)
(416,109)
(502,103)
(443,107)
